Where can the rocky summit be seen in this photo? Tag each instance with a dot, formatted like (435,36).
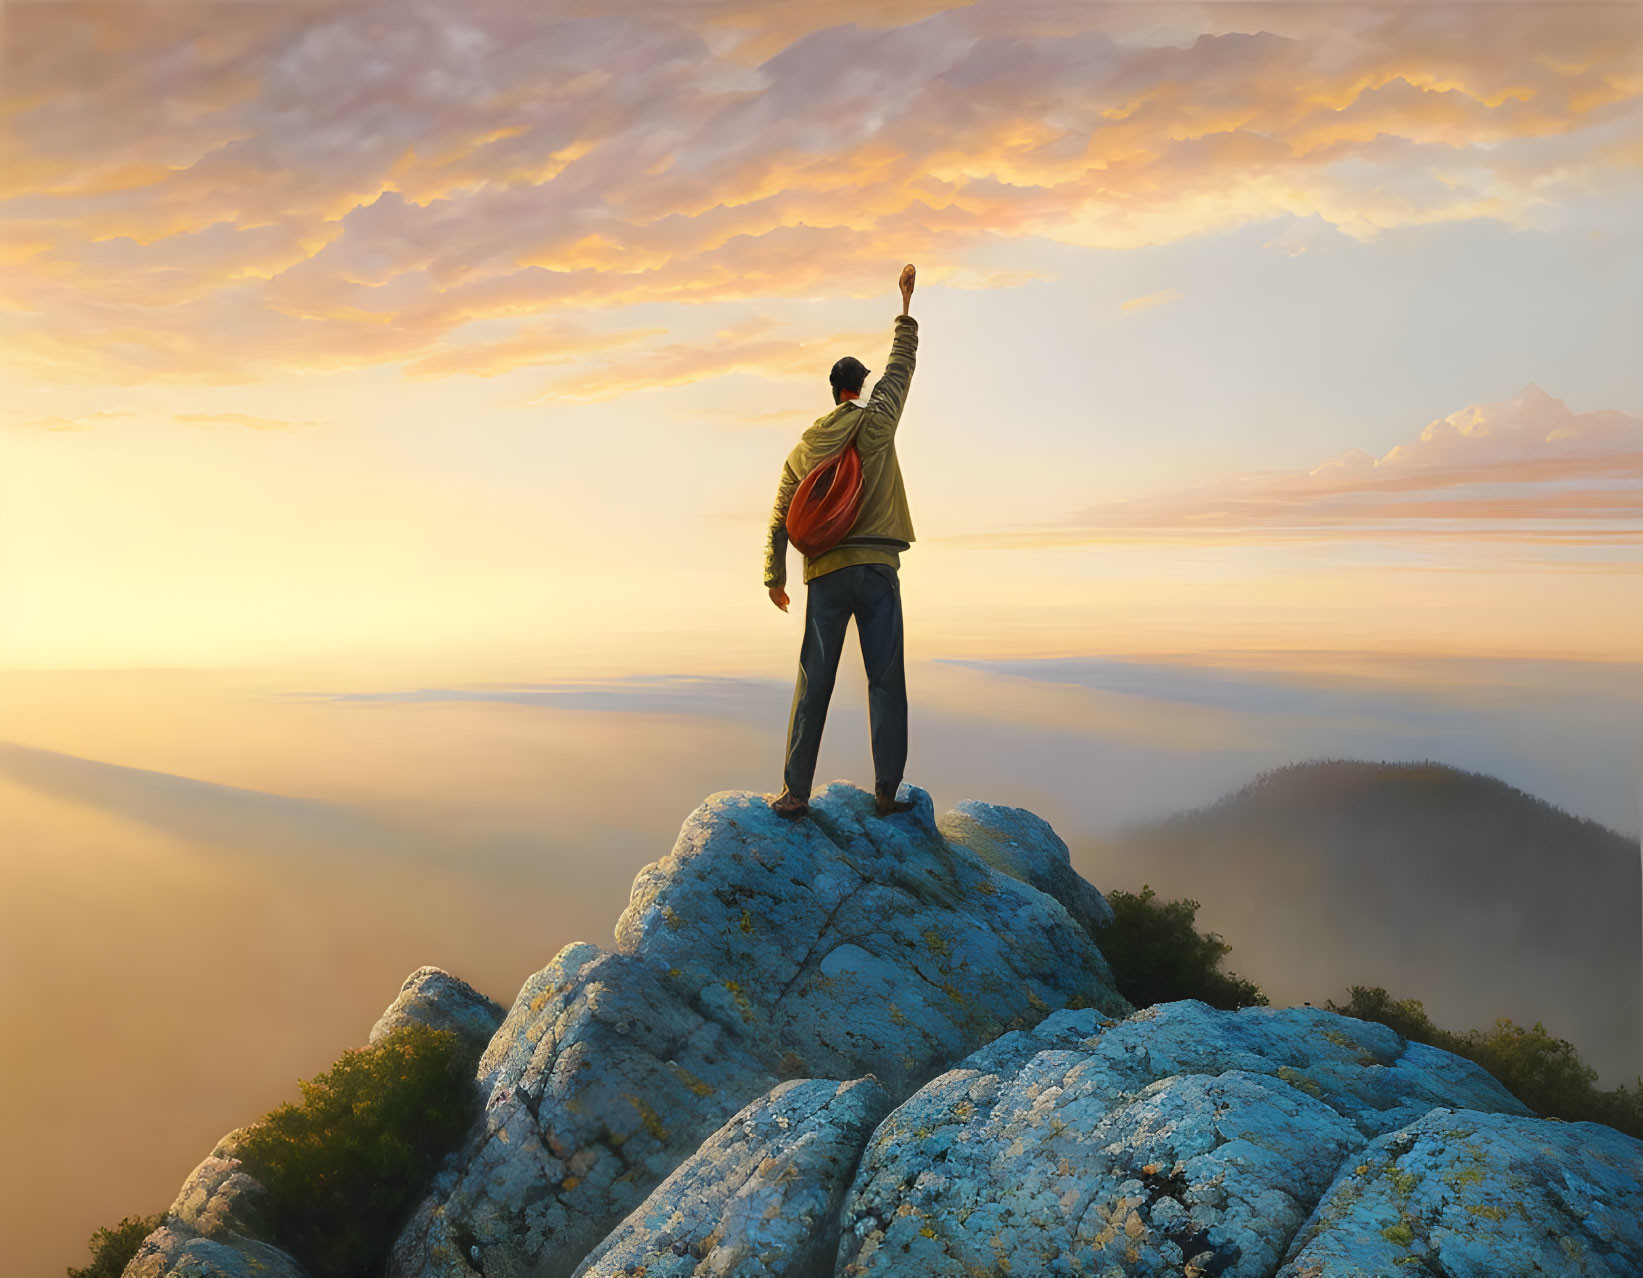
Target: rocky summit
(758,950)
(850,1045)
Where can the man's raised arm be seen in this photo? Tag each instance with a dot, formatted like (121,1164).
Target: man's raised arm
(883,407)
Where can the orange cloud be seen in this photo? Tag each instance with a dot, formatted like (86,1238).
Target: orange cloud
(263,189)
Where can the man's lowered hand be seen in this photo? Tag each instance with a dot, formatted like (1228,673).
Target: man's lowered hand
(778,596)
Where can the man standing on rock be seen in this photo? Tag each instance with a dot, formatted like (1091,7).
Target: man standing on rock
(857,577)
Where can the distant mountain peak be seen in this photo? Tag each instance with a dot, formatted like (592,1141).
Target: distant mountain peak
(1324,783)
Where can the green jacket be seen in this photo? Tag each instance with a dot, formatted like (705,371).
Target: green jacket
(885,525)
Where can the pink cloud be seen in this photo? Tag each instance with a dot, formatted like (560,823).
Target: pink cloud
(243,191)
(1525,460)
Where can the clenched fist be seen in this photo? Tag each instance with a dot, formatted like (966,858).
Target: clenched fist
(906,282)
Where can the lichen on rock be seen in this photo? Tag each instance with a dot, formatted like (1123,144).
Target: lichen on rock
(1462,1192)
(432,996)
(214,1227)
(1181,1139)
(870,946)
(760,1198)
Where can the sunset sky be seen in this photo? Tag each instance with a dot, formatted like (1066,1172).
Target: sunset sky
(392,397)
(479,332)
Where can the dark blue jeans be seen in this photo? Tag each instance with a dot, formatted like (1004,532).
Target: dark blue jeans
(871,593)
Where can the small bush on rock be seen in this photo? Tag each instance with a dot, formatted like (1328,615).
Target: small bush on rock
(344,1169)
(1158,956)
(112,1249)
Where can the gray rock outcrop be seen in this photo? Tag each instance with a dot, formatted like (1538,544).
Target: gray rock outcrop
(758,950)
(1022,844)
(1463,1193)
(1182,1139)
(760,1198)
(213,1229)
(432,996)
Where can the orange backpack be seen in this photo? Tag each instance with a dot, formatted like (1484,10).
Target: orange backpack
(827,502)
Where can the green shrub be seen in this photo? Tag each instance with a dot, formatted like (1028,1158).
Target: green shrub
(344,1169)
(1406,1016)
(1543,1072)
(1158,956)
(112,1249)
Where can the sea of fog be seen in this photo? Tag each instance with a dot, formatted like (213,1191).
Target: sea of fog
(213,881)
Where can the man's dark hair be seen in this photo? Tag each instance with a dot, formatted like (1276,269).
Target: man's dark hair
(848,374)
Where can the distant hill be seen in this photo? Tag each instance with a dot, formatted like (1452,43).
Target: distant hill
(1443,885)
